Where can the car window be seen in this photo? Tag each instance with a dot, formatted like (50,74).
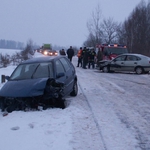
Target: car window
(24,71)
(37,70)
(120,58)
(65,63)
(17,73)
(131,58)
(59,67)
(43,70)
(51,71)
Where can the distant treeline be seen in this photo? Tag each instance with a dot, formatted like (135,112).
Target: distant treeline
(9,44)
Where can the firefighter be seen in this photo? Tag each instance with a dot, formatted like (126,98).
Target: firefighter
(91,58)
(85,54)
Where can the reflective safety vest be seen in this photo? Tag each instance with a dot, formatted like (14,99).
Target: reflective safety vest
(79,53)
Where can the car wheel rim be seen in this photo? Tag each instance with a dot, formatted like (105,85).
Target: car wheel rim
(139,70)
(105,69)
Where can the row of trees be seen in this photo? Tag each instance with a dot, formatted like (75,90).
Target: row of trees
(133,32)
(9,44)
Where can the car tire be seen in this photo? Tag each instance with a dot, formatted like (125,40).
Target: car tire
(75,89)
(106,69)
(11,108)
(60,103)
(139,70)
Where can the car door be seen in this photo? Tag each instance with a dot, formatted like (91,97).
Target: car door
(60,70)
(118,63)
(70,74)
(130,62)
(63,67)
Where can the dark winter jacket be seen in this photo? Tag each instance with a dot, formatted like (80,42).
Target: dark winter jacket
(62,52)
(92,55)
(85,55)
(70,53)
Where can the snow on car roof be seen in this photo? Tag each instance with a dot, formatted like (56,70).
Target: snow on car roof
(41,59)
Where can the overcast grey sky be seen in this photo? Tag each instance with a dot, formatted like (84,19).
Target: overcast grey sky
(59,22)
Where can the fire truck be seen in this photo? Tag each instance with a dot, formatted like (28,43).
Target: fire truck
(110,51)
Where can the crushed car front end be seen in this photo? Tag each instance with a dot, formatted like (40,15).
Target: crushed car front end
(45,93)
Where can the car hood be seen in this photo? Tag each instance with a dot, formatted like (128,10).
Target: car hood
(24,88)
(103,61)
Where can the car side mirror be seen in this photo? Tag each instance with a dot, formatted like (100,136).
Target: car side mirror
(60,74)
(7,77)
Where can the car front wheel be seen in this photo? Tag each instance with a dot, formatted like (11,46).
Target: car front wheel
(139,70)
(75,89)
(106,69)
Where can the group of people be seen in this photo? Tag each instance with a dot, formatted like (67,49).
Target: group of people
(70,53)
(87,57)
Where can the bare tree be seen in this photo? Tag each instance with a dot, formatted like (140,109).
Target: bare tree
(101,30)
(121,34)
(28,50)
(109,30)
(90,40)
(4,60)
(94,28)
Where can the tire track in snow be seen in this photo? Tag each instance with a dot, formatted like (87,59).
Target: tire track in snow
(95,120)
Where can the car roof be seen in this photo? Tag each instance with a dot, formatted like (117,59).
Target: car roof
(134,54)
(41,59)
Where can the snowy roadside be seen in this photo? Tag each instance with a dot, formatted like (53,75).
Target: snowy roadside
(66,129)
(110,112)
(121,106)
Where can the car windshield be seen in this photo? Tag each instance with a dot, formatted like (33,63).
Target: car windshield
(33,71)
(113,50)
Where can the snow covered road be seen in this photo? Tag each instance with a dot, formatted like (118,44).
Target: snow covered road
(120,103)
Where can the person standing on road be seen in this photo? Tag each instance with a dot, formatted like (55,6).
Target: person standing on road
(91,60)
(79,57)
(85,55)
(70,53)
(62,52)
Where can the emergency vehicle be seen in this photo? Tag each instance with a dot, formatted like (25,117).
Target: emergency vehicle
(110,51)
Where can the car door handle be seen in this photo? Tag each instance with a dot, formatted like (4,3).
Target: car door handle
(122,63)
(135,63)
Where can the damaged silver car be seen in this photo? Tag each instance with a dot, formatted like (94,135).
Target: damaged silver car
(42,81)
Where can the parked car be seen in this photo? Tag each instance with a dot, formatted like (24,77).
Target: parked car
(127,62)
(42,81)
(50,52)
